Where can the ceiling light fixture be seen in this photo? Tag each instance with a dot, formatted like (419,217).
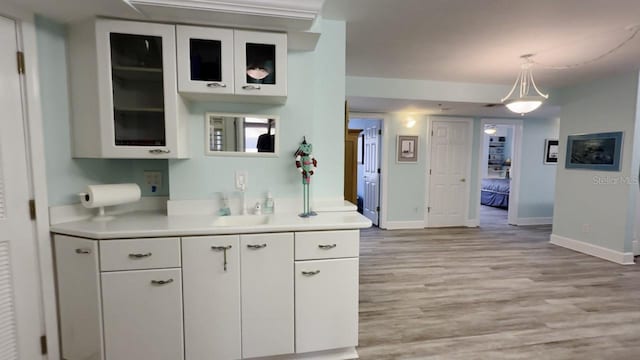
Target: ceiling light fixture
(411,122)
(524,96)
(490,129)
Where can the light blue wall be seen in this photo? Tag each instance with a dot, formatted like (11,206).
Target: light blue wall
(598,106)
(314,108)
(67,176)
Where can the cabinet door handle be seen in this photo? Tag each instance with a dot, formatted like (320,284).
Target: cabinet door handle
(216,85)
(251,87)
(327,247)
(161,282)
(311,273)
(139,256)
(83,251)
(259,246)
(159,151)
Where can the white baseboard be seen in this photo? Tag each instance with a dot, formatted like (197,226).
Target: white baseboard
(535,221)
(401,225)
(336,354)
(593,250)
(472,223)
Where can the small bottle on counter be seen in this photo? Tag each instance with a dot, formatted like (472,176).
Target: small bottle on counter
(269,205)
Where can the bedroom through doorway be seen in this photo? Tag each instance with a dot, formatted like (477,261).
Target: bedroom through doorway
(497,173)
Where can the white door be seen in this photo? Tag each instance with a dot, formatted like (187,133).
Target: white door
(267,294)
(371,201)
(20,311)
(448,183)
(211,291)
(326,304)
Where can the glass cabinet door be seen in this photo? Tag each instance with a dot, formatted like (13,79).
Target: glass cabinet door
(205,60)
(261,63)
(138,91)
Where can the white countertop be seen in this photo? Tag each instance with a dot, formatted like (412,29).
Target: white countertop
(158,224)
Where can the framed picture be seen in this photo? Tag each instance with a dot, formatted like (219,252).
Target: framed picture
(407,149)
(600,151)
(551,151)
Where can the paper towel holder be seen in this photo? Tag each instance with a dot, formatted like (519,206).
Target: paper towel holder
(101,213)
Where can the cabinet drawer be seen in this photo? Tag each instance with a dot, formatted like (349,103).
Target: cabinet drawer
(327,244)
(137,254)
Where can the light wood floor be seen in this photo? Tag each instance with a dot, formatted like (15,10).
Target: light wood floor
(493,293)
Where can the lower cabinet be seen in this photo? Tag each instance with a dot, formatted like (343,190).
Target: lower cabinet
(267,294)
(211,271)
(326,304)
(142,312)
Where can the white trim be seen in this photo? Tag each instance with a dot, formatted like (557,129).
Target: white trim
(535,221)
(472,222)
(427,154)
(593,250)
(514,194)
(34,130)
(344,353)
(398,225)
(636,247)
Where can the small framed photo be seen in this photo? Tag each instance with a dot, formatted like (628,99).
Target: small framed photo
(599,151)
(551,151)
(407,149)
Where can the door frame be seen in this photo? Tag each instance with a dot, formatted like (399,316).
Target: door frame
(31,102)
(514,193)
(383,159)
(427,156)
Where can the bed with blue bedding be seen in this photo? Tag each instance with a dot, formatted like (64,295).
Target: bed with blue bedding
(495,192)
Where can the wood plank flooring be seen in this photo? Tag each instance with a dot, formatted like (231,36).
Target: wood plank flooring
(500,292)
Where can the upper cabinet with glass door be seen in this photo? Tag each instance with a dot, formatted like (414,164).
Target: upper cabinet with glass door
(133,111)
(260,63)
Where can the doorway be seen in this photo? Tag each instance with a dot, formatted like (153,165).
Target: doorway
(498,171)
(368,165)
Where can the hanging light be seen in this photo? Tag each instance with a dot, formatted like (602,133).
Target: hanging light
(490,129)
(525,96)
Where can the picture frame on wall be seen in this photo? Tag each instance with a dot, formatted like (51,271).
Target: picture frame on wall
(407,151)
(598,151)
(551,147)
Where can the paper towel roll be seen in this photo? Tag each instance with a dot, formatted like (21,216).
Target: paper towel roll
(109,195)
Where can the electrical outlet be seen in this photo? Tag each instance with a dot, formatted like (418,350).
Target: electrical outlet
(586,228)
(242,178)
(153,180)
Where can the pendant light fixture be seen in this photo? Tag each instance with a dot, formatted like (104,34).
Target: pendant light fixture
(524,96)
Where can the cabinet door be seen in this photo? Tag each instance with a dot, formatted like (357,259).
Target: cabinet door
(142,312)
(260,63)
(326,304)
(205,60)
(137,77)
(267,294)
(211,297)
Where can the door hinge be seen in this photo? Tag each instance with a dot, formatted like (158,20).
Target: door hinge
(20,57)
(429,209)
(379,131)
(377,208)
(378,170)
(32,209)
(431,132)
(43,345)
(429,171)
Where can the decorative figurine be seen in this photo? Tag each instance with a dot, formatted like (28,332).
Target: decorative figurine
(306,163)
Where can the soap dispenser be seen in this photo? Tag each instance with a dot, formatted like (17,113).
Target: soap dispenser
(269,205)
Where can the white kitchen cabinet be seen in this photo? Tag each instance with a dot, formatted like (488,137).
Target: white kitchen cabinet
(142,313)
(211,290)
(326,304)
(260,60)
(123,90)
(205,60)
(267,294)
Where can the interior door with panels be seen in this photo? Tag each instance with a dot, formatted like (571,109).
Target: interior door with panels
(20,310)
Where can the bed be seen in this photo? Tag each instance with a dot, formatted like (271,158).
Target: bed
(495,192)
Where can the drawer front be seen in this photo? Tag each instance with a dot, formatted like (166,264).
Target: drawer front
(136,254)
(327,244)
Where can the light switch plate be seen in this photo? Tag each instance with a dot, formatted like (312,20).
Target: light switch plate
(242,178)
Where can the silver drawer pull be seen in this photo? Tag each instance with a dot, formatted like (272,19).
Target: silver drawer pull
(159,151)
(327,247)
(83,251)
(139,256)
(221,248)
(311,273)
(161,282)
(260,246)
(216,85)
(251,87)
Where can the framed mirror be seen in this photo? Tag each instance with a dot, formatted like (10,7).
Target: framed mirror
(241,135)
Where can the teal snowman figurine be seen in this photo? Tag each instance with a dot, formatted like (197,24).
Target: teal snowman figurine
(306,164)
